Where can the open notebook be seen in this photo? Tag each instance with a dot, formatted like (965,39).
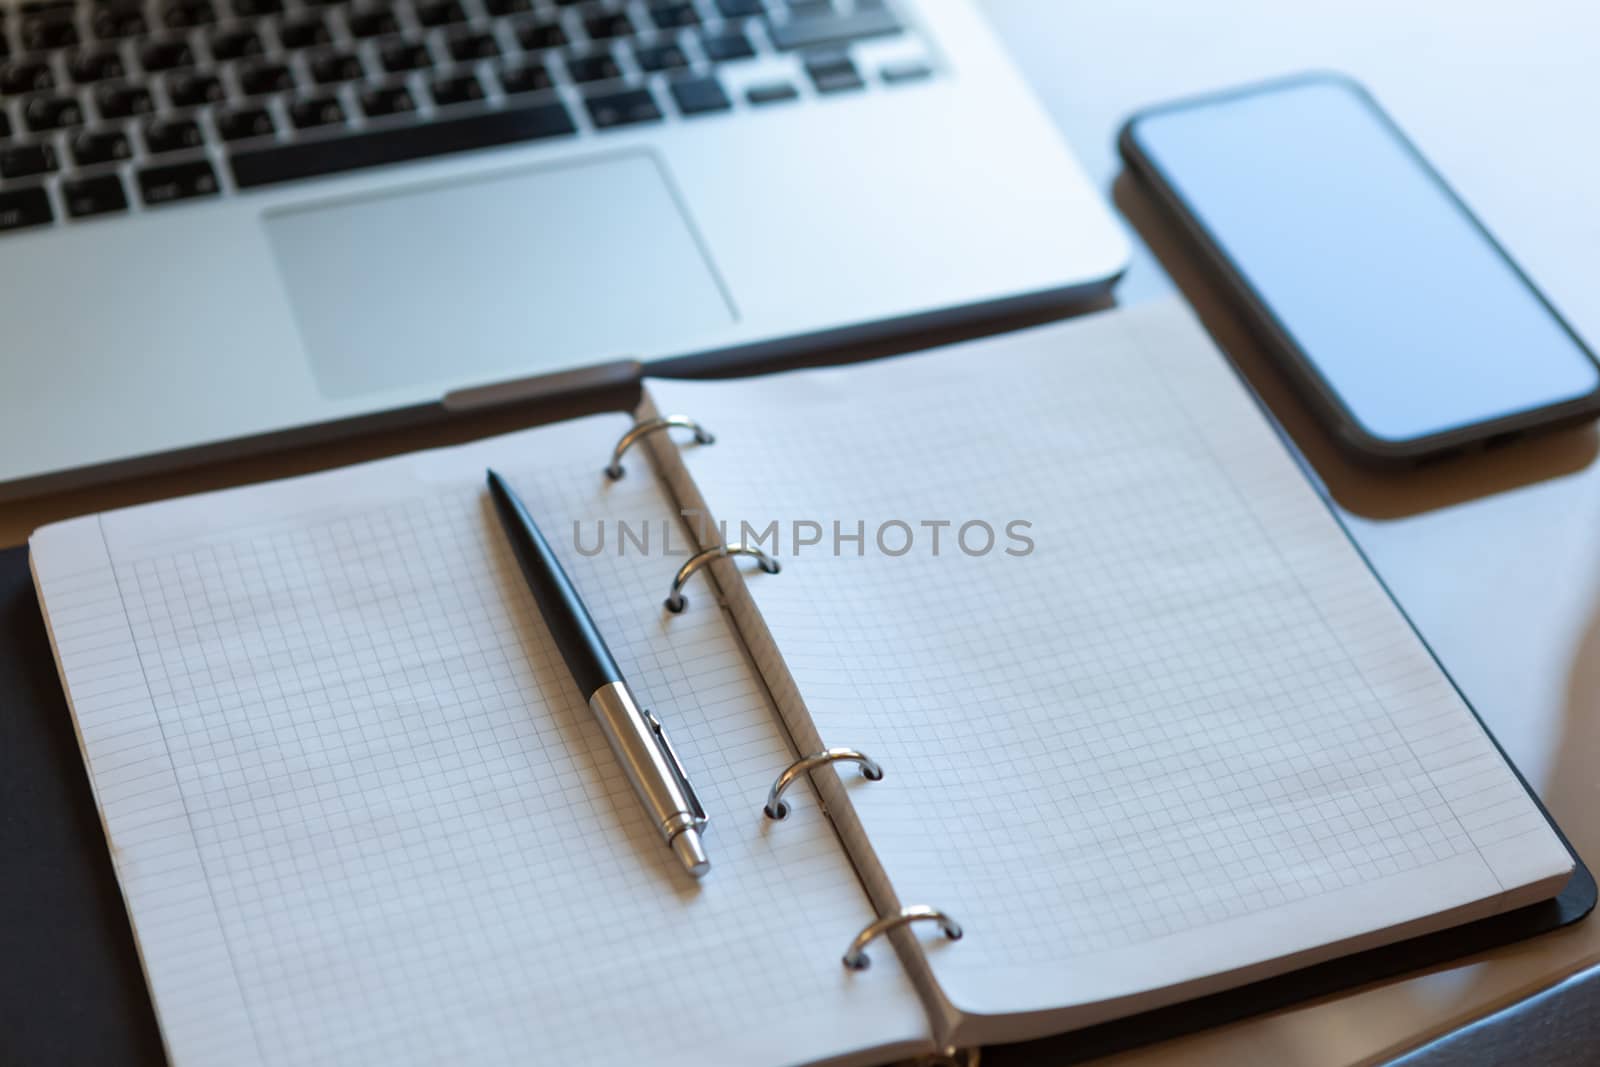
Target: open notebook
(1149,726)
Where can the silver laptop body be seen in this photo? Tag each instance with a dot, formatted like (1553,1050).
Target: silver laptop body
(447,198)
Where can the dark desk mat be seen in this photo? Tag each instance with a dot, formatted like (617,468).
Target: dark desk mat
(72,992)
(71,989)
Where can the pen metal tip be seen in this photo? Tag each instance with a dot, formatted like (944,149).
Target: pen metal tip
(686,846)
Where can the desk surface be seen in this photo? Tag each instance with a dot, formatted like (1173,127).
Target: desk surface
(1497,559)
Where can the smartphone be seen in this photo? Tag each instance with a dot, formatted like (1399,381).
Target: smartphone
(1407,328)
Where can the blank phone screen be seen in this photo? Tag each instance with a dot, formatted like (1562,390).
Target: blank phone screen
(1415,321)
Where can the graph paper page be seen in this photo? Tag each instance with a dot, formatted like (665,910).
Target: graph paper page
(1181,737)
(361,815)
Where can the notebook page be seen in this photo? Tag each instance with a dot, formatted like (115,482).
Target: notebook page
(361,815)
(1179,740)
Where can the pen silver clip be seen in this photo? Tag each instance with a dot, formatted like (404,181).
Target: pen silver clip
(697,810)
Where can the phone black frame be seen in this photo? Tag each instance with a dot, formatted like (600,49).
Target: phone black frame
(1342,424)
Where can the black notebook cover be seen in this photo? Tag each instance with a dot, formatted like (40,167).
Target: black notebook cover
(72,991)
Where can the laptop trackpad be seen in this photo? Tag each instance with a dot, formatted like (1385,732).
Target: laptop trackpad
(496,277)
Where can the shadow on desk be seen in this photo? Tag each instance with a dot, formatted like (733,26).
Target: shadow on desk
(1369,492)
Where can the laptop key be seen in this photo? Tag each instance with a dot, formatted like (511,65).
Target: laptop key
(5,126)
(258,78)
(93,196)
(400,56)
(528,78)
(304,32)
(177,181)
(120,101)
(331,68)
(184,14)
(381,101)
(316,111)
(458,89)
(113,21)
(20,208)
(541,34)
(97,66)
(905,71)
(171,135)
(92,147)
(608,24)
(466,47)
(249,9)
(309,159)
(166,55)
(24,76)
(726,46)
(26,160)
(52,113)
(243,123)
(439,12)
(193,89)
(372,22)
(46,30)
(236,44)
(660,57)
(834,29)
(670,16)
(771,93)
(738,9)
(506,7)
(833,73)
(700,96)
(624,108)
(593,68)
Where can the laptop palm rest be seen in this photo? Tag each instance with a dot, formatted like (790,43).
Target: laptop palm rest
(496,276)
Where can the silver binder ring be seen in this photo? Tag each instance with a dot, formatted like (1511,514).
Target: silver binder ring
(676,601)
(776,807)
(643,429)
(855,957)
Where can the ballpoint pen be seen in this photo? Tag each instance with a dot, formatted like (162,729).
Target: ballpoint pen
(635,735)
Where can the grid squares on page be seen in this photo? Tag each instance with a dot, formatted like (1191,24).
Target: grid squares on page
(1152,724)
(1109,773)
(415,839)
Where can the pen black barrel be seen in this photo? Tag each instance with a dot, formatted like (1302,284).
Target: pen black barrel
(581,645)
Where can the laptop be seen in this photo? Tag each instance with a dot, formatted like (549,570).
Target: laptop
(227,224)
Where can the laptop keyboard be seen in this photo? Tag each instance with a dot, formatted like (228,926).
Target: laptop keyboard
(111,105)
